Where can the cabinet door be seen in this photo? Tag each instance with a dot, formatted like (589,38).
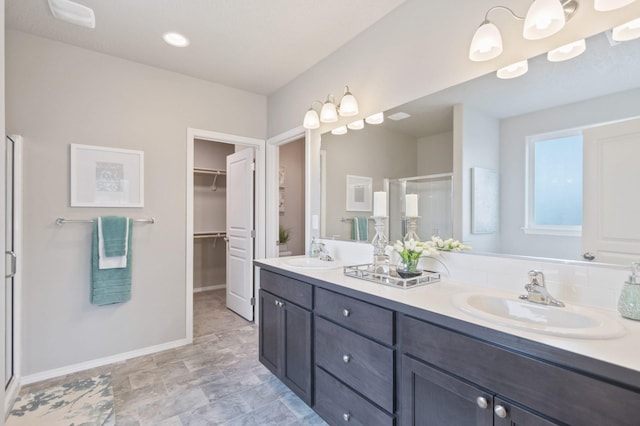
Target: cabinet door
(296,365)
(431,397)
(271,337)
(507,414)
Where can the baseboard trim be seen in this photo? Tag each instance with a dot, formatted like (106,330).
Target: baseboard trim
(57,372)
(211,287)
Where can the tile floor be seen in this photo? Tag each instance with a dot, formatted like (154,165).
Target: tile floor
(217,380)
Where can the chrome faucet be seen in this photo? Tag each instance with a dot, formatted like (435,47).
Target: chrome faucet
(537,290)
(324,253)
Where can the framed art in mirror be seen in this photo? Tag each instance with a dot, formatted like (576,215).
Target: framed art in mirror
(106,177)
(359,193)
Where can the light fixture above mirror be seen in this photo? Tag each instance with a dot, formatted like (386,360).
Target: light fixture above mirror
(329,112)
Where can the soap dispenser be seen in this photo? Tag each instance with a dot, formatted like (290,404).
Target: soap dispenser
(314,249)
(629,302)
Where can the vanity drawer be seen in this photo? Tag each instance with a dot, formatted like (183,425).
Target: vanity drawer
(359,362)
(338,404)
(362,317)
(287,288)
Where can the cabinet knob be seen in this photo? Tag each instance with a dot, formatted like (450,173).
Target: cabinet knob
(346,358)
(482,402)
(500,411)
(345,312)
(346,417)
(277,303)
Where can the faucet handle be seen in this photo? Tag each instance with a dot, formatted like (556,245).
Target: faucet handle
(536,277)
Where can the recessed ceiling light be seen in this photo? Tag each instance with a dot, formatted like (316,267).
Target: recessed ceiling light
(175,39)
(398,116)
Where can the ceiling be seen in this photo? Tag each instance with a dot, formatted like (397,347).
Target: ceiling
(254,45)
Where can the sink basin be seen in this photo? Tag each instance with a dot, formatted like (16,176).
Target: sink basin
(570,321)
(309,263)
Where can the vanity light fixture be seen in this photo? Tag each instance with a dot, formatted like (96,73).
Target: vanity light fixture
(356,125)
(73,13)
(175,39)
(513,70)
(607,5)
(339,130)
(568,51)
(628,31)
(543,19)
(377,118)
(329,112)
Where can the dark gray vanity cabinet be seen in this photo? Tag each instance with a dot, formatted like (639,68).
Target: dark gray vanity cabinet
(355,361)
(464,380)
(433,397)
(285,331)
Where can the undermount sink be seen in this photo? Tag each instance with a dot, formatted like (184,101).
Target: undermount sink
(309,263)
(569,321)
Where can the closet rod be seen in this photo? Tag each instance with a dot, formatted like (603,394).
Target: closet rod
(62,221)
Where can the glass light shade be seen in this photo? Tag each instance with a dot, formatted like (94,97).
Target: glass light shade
(568,51)
(348,104)
(486,43)
(311,119)
(606,5)
(356,125)
(544,18)
(328,113)
(513,70)
(339,130)
(628,31)
(377,118)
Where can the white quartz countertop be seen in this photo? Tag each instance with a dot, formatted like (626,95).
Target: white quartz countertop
(622,351)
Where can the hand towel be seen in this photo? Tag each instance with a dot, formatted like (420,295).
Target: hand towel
(114,235)
(110,285)
(360,228)
(117,261)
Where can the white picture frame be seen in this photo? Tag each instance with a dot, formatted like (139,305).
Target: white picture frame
(484,201)
(106,177)
(359,193)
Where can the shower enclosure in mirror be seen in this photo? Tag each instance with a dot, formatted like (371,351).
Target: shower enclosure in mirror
(435,198)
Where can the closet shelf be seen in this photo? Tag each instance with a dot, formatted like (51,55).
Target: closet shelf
(215,234)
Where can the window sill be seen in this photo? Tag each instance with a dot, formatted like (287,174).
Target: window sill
(554,231)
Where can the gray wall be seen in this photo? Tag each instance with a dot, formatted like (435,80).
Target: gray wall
(291,157)
(372,152)
(209,214)
(435,154)
(512,175)
(58,94)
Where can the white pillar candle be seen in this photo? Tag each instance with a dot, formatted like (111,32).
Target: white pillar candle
(411,205)
(379,204)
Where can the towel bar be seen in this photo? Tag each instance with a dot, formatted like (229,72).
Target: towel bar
(62,221)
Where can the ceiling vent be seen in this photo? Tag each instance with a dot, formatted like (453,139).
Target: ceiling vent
(73,13)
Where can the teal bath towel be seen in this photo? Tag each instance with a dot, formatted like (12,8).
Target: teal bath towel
(360,229)
(109,285)
(114,235)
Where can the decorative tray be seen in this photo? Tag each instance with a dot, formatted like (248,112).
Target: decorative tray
(367,272)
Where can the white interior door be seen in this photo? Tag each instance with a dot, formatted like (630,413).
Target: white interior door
(611,204)
(240,182)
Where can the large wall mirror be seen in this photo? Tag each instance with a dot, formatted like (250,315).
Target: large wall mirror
(490,132)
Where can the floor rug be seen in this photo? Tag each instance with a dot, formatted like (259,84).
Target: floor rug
(86,402)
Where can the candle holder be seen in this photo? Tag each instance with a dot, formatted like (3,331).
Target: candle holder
(379,243)
(412,225)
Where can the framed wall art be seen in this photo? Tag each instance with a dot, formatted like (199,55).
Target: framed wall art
(106,177)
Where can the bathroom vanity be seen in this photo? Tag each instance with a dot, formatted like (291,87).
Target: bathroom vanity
(361,353)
